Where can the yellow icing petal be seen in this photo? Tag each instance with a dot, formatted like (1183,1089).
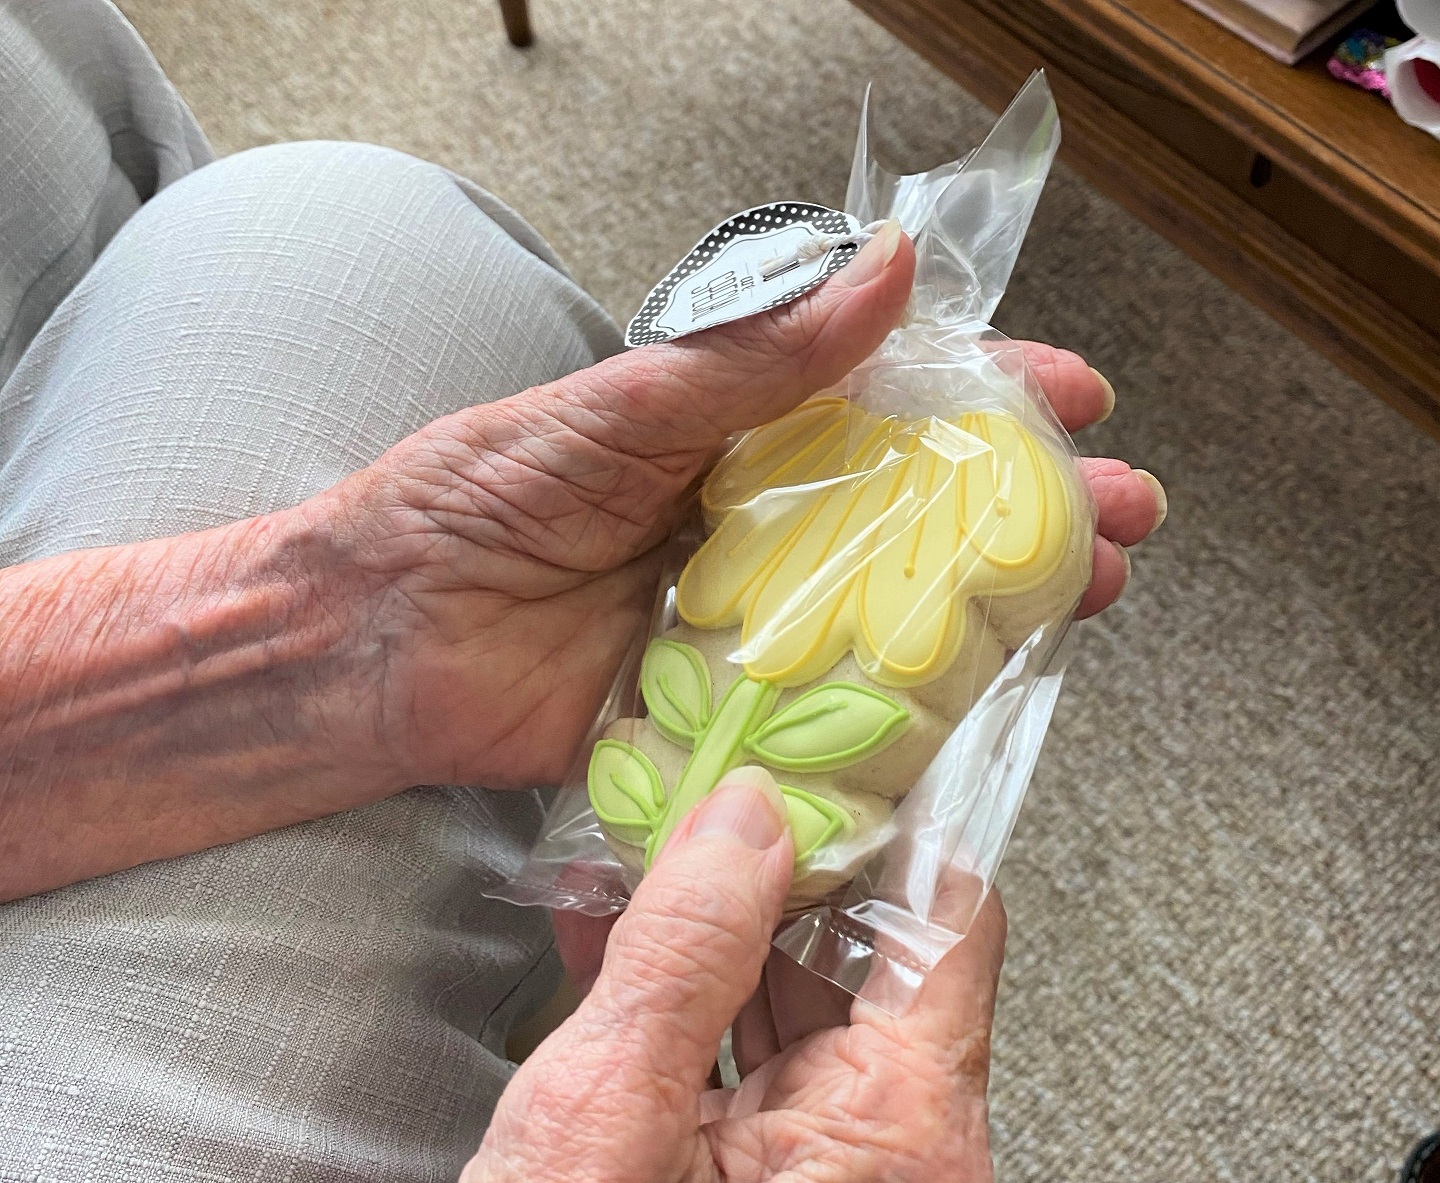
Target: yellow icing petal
(800,448)
(1018,517)
(800,617)
(908,615)
(883,557)
(719,582)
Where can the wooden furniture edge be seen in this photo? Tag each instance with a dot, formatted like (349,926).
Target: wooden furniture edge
(516,16)
(1362,334)
(1136,39)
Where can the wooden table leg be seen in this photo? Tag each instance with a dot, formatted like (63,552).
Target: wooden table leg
(517,22)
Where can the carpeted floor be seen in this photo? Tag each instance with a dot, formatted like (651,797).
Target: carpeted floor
(1225,890)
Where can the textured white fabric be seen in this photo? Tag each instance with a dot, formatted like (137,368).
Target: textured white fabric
(328,1002)
(89,128)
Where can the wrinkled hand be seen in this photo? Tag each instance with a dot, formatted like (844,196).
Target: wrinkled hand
(508,549)
(618,1093)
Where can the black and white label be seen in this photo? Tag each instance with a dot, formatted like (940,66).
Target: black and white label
(757,259)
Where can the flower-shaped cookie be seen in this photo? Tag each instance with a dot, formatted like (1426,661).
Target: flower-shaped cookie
(860,585)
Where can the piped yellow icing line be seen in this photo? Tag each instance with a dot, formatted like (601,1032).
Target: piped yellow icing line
(803,446)
(883,554)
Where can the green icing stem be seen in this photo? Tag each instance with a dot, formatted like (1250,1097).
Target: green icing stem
(719,748)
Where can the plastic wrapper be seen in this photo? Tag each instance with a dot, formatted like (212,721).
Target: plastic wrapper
(871,599)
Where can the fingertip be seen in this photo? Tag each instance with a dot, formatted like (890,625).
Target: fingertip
(1107,406)
(746,805)
(1109,573)
(1162,500)
(1131,502)
(874,257)
(856,318)
(580,941)
(988,932)
(891,286)
(739,834)
(993,916)
(746,811)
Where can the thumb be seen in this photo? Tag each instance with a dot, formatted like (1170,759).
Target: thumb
(614,1092)
(689,395)
(688,951)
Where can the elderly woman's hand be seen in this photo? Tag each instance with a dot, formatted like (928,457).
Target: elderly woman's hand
(618,1093)
(510,545)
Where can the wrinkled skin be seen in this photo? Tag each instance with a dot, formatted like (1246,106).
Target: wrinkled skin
(455,612)
(619,1091)
(507,544)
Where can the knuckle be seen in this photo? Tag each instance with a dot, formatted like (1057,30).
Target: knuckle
(652,399)
(684,933)
(1002,916)
(970,1060)
(685,948)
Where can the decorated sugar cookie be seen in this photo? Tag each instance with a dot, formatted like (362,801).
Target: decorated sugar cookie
(861,584)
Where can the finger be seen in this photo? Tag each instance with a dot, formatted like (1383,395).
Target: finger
(955,1006)
(580,940)
(910,1086)
(616,1087)
(1131,501)
(752,1035)
(685,397)
(1079,394)
(792,1004)
(1109,573)
(689,950)
(801,1001)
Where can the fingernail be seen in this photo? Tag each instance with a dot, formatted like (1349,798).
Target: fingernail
(747,805)
(1109,394)
(874,256)
(1125,554)
(1162,503)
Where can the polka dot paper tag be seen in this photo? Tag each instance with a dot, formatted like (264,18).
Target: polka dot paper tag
(758,259)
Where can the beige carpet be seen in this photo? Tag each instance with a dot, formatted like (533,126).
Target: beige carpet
(1225,890)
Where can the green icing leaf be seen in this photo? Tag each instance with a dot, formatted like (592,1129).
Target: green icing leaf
(830,727)
(625,790)
(813,820)
(676,684)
